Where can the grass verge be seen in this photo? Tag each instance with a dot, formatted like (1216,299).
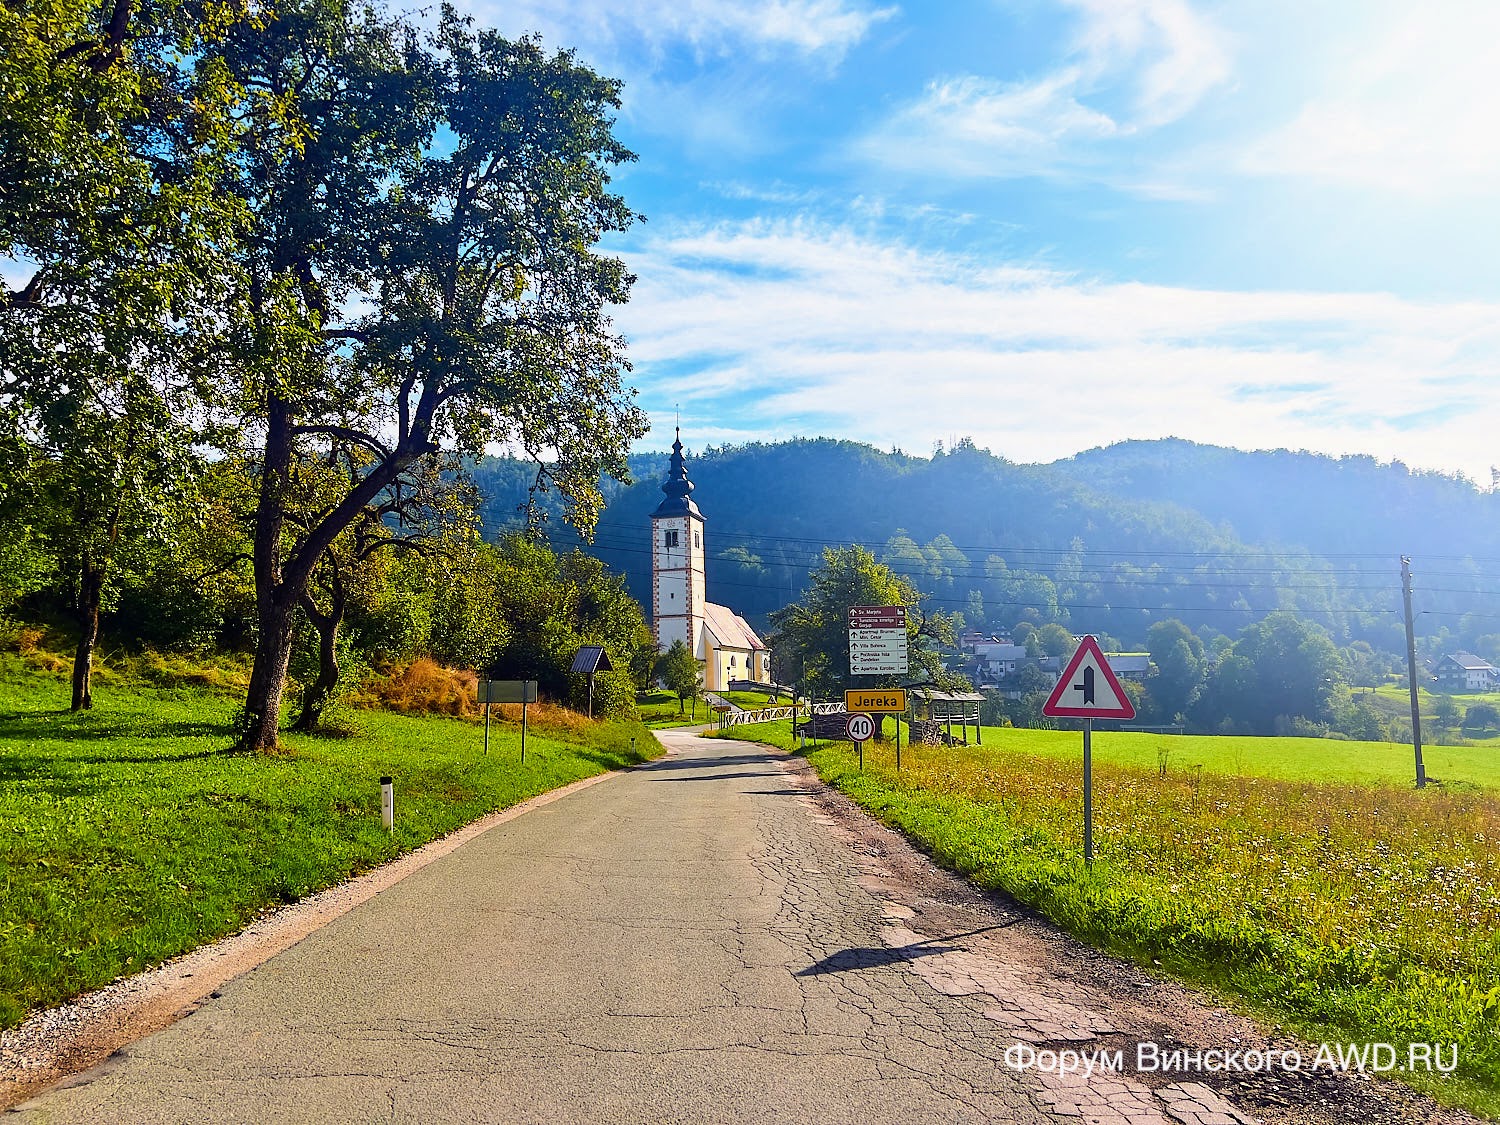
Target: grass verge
(131,837)
(1347,912)
(663,709)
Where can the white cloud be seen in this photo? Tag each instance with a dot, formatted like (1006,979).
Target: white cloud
(773,329)
(1131,66)
(1409,106)
(808,27)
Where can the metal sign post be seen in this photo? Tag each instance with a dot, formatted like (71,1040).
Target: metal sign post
(1088,689)
(507,691)
(1088,793)
(859,727)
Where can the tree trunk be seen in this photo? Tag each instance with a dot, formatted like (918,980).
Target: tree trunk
(261,722)
(90,594)
(318,695)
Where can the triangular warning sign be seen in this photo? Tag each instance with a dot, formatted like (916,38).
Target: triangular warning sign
(1088,688)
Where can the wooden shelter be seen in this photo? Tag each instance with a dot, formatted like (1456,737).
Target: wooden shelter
(946,708)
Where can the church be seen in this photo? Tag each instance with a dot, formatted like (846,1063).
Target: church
(722,641)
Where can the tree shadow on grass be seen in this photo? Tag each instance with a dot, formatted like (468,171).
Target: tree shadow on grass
(21,726)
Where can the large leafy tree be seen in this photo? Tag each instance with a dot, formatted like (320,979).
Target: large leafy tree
(422,276)
(112,135)
(1280,668)
(1179,664)
(811,637)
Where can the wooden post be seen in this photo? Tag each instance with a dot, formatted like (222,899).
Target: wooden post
(1411,672)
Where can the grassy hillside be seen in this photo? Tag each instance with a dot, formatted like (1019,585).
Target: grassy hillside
(1348,911)
(132,837)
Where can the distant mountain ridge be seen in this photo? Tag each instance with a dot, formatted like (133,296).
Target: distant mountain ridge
(1109,540)
(1279,497)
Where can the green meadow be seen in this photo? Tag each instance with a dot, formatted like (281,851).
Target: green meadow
(1305,878)
(1288,759)
(132,837)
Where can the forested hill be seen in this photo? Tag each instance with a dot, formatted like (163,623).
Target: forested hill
(1325,504)
(1108,541)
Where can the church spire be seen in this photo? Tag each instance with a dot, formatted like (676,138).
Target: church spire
(677,487)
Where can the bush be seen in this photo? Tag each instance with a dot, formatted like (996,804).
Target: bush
(423,687)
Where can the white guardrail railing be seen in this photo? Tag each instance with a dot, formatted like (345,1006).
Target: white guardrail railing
(768,714)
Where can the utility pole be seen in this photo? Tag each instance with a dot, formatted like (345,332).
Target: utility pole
(1411,671)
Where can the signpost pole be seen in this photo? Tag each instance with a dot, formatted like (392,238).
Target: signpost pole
(523,727)
(486,716)
(1088,793)
(898,743)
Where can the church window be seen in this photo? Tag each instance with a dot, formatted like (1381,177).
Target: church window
(697,539)
(670,539)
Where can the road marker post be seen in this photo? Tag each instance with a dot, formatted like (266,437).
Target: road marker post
(388,803)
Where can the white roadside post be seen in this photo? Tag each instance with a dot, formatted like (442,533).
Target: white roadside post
(388,803)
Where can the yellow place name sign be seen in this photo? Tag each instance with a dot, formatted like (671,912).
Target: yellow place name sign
(886,701)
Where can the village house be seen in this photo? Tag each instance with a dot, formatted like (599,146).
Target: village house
(1463,671)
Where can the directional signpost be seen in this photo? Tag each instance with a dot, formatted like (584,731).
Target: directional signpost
(877,647)
(1088,689)
(877,640)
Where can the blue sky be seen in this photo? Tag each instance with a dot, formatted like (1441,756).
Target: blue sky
(1054,224)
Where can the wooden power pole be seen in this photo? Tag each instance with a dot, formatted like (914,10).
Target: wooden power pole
(1411,672)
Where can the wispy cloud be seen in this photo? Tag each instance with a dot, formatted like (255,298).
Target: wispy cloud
(1131,66)
(1408,107)
(711,27)
(807,328)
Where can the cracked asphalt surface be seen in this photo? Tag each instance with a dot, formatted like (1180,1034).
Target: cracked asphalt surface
(696,940)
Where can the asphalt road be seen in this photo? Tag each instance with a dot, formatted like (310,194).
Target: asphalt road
(689,941)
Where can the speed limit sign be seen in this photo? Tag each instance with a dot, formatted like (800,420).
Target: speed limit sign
(859,728)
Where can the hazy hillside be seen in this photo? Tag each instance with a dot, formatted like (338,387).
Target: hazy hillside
(1326,504)
(1110,540)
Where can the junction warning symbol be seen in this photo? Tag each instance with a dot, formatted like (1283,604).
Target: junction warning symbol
(1088,688)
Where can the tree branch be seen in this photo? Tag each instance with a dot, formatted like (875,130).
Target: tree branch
(357,437)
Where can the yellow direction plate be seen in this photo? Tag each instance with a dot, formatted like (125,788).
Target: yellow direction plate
(885,701)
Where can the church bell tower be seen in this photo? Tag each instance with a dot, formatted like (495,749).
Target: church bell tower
(677,585)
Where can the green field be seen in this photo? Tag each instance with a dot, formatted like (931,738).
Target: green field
(1307,878)
(131,837)
(1289,759)
(662,709)
(752,700)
